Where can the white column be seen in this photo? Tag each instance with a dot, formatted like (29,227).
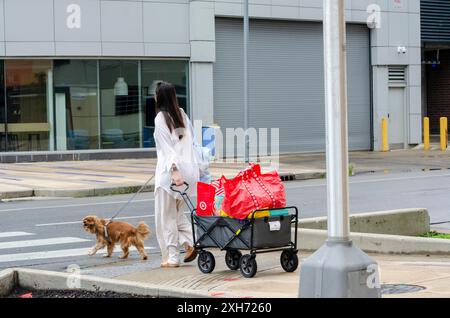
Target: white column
(61,122)
(50,111)
(203,55)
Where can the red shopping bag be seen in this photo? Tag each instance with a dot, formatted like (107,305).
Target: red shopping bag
(205,199)
(251,190)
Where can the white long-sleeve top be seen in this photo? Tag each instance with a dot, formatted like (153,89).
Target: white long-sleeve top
(171,150)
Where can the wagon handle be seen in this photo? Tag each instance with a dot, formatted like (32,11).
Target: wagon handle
(173,185)
(184,195)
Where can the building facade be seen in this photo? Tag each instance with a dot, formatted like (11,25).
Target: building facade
(79,75)
(435,21)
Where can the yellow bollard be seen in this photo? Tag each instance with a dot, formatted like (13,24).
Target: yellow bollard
(384,135)
(444,133)
(426,133)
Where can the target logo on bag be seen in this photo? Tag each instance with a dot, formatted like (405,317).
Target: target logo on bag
(205,199)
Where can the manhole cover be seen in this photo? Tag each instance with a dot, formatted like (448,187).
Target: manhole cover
(400,289)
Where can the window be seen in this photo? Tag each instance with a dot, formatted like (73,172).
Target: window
(120,115)
(83,104)
(76,104)
(175,72)
(28,113)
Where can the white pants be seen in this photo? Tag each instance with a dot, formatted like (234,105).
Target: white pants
(173,229)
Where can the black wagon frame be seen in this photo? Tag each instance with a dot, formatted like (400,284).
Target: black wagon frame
(234,243)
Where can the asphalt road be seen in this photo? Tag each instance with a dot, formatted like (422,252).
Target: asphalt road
(47,234)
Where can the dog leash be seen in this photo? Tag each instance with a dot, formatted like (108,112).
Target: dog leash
(124,206)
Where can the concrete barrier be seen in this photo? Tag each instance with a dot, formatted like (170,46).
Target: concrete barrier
(311,240)
(407,222)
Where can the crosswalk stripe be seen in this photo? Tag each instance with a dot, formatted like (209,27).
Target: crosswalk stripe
(118,218)
(41,242)
(54,254)
(14,234)
(79,222)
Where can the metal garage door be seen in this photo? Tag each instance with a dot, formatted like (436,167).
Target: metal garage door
(286,81)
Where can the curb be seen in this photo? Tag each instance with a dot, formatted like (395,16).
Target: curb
(16,194)
(94,192)
(8,280)
(285,177)
(40,279)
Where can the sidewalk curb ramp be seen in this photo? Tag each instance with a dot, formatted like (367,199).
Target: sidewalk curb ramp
(42,280)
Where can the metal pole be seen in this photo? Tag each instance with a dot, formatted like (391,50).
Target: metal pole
(338,269)
(246,36)
(336,119)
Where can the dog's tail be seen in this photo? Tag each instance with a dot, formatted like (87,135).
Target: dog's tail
(142,231)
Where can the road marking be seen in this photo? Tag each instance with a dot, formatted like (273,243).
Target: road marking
(14,234)
(74,205)
(41,242)
(119,218)
(79,222)
(8,258)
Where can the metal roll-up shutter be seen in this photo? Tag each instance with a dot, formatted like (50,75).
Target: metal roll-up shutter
(435,20)
(286,81)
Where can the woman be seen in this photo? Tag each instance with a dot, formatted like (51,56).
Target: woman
(176,164)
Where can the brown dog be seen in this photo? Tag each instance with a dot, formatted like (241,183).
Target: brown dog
(118,232)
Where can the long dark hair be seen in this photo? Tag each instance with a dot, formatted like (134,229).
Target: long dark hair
(167,103)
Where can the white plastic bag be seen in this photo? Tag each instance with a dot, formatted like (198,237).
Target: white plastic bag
(203,156)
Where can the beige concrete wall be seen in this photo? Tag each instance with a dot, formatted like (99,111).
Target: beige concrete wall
(408,222)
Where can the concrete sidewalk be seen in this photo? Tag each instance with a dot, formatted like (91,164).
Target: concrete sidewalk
(107,177)
(432,273)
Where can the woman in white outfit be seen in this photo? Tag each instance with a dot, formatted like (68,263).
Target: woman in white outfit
(176,164)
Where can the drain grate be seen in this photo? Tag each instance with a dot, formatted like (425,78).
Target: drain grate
(400,289)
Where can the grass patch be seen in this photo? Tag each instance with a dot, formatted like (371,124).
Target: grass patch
(434,234)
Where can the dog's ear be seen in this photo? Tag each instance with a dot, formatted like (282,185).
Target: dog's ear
(99,223)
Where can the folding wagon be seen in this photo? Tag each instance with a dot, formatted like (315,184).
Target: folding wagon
(255,235)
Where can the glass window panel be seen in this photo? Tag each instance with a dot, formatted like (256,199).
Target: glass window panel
(28,125)
(76,100)
(2,108)
(174,72)
(120,114)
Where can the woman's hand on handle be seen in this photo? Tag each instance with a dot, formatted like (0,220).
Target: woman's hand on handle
(177,178)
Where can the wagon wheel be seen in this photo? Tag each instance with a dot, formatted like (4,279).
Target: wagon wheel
(232,259)
(206,262)
(289,261)
(248,266)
